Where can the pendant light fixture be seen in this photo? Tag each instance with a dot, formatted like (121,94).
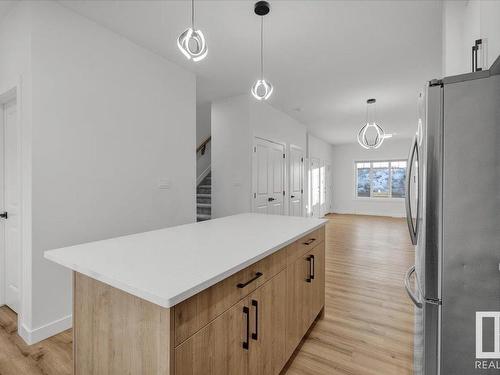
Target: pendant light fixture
(262,89)
(371,135)
(192,42)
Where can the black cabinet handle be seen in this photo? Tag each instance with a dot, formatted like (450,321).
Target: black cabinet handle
(309,241)
(292,196)
(4,215)
(255,335)
(310,260)
(246,312)
(270,199)
(313,264)
(257,275)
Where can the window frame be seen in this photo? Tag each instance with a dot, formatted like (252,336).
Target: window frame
(371,198)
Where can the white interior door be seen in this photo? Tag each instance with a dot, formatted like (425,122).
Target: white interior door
(296,181)
(11,204)
(268,177)
(315,187)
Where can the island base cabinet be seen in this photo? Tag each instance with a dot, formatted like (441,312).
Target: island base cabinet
(251,331)
(299,299)
(305,294)
(116,333)
(267,354)
(317,284)
(218,348)
(249,338)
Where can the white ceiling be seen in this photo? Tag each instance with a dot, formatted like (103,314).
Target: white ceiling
(325,58)
(5,6)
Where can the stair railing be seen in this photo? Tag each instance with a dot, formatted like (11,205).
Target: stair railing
(203,146)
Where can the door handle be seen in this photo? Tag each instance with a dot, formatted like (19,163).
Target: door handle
(311,276)
(255,335)
(413,229)
(246,312)
(270,199)
(4,215)
(292,196)
(410,292)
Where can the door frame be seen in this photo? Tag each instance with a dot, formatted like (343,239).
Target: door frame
(284,175)
(310,182)
(7,95)
(328,186)
(302,173)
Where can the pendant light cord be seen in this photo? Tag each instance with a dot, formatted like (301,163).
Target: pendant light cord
(192,14)
(261,47)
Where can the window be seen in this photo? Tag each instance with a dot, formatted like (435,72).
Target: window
(380,179)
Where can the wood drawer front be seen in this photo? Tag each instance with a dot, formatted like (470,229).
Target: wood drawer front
(305,244)
(194,313)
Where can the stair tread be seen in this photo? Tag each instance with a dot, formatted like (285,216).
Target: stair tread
(203,216)
(201,204)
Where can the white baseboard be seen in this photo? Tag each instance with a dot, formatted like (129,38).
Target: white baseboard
(48,330)
(202,176)
(368,213)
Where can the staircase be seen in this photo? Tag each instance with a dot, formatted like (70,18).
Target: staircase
(204,199)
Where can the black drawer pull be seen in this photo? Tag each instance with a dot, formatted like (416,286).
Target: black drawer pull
(257,275)
(246,312)
(309,241)
(255,335)
(313,264)
(311,276)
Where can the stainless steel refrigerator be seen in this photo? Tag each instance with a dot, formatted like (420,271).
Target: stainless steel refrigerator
(453,213)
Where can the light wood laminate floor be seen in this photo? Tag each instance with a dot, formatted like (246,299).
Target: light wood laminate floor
(368,324)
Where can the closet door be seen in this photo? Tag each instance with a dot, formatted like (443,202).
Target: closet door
(268,167)
(296,181)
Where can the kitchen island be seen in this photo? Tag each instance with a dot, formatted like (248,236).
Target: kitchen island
(234,295)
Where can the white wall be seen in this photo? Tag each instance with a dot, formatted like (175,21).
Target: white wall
(110,119)
(463,23)
(269,123)
(235,123)
(231,156)
(344,200)
(203,129)
(490,27)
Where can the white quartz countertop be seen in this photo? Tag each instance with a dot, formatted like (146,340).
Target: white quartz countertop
(169,265)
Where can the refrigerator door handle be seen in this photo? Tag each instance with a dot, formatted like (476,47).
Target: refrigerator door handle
(413,228)
(408,288)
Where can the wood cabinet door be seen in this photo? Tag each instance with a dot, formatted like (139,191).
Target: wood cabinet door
(268,327)
(317,284)
(218,348)
(299,299)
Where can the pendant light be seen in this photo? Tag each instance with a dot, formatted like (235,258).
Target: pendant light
(192,42)
(262,89)
(371,135)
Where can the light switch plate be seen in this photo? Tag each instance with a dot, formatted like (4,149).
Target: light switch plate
(164,184)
